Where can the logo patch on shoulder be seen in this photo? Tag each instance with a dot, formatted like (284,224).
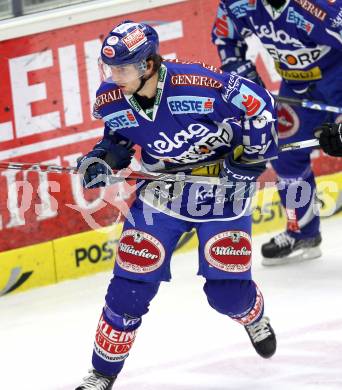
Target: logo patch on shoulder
(190,104)
(248,101)
(121,119)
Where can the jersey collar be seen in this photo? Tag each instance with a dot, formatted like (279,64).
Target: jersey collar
(273,12)
(150,114)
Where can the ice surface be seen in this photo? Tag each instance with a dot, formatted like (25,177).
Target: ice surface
(46,334)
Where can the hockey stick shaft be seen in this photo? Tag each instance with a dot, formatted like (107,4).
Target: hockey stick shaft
(305,103)
(299,145)
(134,175)
(127,175)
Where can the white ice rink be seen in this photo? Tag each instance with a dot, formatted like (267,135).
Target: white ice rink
(46,334)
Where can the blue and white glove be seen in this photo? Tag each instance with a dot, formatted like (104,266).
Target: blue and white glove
(240,178)
(244,69)
(99,162)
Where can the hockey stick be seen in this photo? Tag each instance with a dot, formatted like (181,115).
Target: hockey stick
(305,103)
(125,174)
(170,175)
(299,145)
(283,148)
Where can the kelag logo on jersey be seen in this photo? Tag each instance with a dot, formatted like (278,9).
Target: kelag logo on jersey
(121,119)
(190,104)
(248,101)
(240,8)
(298,20)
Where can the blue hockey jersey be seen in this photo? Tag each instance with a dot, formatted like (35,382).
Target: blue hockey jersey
(200,114)
(304,37)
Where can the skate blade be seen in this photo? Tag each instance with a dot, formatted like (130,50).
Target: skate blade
(298,256)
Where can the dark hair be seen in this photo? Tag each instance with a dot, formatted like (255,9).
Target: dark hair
(157,60)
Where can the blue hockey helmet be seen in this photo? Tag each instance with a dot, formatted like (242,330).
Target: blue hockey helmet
(129,43)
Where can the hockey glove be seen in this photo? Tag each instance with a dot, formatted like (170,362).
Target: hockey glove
(244,69)
(97,164)
(330,138)
(240,178)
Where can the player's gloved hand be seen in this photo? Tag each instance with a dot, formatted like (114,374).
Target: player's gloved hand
(244,69)
(330,138)
(240,178)
(97,164)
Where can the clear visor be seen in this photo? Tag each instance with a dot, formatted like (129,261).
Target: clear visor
(121,74)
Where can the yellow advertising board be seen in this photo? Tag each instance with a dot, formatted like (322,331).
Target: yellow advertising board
(86,253)
(269,215)
(27,267)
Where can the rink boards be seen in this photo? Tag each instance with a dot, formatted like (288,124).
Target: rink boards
(93,251)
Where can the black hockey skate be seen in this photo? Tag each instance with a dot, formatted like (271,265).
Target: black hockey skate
(262,337)
(97,381)
(283,249)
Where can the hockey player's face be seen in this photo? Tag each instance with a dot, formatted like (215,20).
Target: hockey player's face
(127,77)
(129,87)
(124,74)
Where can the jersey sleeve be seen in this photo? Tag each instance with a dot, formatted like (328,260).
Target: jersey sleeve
(97,113)
(258,117)
(230,44)
(117,138)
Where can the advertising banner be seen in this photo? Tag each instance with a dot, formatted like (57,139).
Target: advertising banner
(48,85)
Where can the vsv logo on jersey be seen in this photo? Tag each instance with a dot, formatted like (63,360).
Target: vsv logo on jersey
(121,119)
(248,101)
(240,8)
(190,104)
(298,20)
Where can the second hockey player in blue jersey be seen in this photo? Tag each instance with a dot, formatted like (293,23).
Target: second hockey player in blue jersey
(179,114)
(304,38)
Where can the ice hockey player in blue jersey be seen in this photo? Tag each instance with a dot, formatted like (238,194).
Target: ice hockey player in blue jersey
(179,114)
(304,38)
